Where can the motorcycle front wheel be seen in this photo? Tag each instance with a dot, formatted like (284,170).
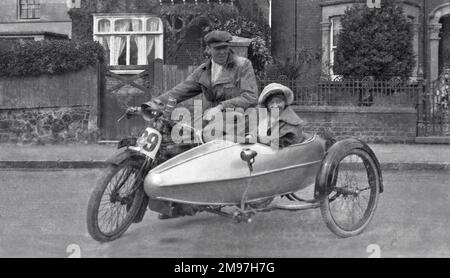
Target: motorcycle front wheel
(115,201)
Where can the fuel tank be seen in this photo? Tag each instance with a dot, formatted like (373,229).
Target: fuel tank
(215,174)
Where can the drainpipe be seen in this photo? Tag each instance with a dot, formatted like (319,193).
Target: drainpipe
(270,13)
(295,29)
(425,59)
(425,66)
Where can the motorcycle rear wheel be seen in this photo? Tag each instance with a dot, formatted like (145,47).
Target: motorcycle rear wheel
(115,201)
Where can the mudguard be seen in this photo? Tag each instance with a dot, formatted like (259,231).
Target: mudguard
(122,156)
(324,179)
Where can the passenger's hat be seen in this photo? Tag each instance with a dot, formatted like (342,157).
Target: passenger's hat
(274,88)
(218,38)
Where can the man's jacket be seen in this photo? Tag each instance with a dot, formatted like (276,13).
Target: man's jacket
(236,86)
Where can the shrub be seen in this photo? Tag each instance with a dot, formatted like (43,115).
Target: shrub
(375,42)
(35,58)
(292,69)
(8,44)
(259,49)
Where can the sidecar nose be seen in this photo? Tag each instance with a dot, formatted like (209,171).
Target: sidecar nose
(153,184)
(153,180)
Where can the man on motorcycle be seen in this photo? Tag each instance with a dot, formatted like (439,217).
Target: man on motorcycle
(226,81)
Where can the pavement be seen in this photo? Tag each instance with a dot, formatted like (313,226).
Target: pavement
(79,156)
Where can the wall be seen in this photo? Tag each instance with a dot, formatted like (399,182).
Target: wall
(283,29)
(53,18)
(292,32)
(45,125)
(49,109)
(444,46)
(372,124)
(255,10)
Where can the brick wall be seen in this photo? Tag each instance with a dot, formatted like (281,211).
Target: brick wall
(288,37)
(45,125)
(283,29)
(49,109)
(372,124)
(190,53)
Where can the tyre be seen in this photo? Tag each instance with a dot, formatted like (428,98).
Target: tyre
(353,189)
(116,201)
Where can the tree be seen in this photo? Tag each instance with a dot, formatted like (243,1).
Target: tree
(375,42)
(202,18)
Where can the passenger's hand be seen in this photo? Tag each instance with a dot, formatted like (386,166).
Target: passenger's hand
(211,113)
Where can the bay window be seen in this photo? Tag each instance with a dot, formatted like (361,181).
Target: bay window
(129,39)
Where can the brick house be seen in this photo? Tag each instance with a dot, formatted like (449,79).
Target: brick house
(36,19)
(131,34)
(315,24)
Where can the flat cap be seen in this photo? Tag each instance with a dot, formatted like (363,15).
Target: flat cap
(218,38)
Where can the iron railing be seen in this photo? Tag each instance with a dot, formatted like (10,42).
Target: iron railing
(364,92)
(433,108)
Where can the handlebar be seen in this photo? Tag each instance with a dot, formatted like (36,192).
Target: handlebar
(150,114)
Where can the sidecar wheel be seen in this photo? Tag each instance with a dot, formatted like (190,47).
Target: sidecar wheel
(115,201)
(355,184)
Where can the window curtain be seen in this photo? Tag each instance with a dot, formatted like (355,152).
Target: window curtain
(336,29)
(141,46)
(148,45)
(136,25)
(153,25)
(119,42)
(104,26)
(159,47)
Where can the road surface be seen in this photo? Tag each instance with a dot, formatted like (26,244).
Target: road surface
(42,214)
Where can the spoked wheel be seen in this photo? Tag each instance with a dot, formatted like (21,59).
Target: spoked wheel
(115,201)
(356,183)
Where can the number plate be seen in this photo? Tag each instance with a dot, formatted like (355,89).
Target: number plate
(149,143)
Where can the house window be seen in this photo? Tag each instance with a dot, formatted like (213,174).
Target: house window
(334,33)
(130,40)
(29,9)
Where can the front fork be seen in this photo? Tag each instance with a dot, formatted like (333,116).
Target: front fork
(153,154)
(148,164)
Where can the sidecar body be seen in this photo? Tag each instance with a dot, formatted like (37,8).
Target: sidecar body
(215,174)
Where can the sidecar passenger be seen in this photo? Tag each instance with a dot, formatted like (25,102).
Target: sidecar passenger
(289,124)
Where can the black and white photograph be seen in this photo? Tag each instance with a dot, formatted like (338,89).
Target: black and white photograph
(251,129)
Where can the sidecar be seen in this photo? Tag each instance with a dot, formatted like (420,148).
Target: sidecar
(215,174)
(347,180)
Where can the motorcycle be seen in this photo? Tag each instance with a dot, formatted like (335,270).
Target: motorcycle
(235,180)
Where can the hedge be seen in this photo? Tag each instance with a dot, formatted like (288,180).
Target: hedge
(35,58)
